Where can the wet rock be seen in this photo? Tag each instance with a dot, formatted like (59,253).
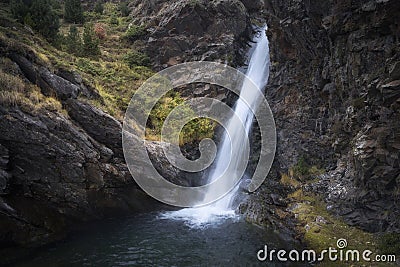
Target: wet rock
(394,71)
(253,5)
(391,90)
(167,169)
(4,175)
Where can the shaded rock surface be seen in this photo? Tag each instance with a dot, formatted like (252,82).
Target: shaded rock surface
(334,93)
(98,124)
(180,31)
(59,170)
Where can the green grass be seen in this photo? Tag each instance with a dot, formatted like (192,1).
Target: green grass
(14,92)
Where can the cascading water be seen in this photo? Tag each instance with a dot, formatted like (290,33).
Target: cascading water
(231,150)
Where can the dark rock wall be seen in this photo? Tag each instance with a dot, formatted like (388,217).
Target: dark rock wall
(57,170)
(187,30)
(334,90)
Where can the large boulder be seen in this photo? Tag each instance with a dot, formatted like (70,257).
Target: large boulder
(62,88)
(57,175)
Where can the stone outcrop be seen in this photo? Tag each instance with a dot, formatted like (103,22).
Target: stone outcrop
(179,31)
(98,124)
(57,170)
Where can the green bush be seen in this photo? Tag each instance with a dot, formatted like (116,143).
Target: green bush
(194,130)
(73,11)
(99,8)
(74,41)
(114,20)
(135,58)
(123,8)
(90,41)
(301,168)
(39,14)
(134,32)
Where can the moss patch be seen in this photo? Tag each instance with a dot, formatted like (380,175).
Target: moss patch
(320,229)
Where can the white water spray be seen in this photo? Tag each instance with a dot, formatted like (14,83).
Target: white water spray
(231,150)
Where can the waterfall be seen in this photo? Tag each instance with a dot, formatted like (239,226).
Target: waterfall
(231,149)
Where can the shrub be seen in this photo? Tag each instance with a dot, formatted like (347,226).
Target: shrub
(123,8)
(100,30)
(135,58)
(110,8)
(73,41)
(194,130)
(301,168)
(134,32)
(73,11)
(99,8)
(114,20)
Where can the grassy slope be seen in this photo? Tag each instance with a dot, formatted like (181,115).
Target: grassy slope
(108,73)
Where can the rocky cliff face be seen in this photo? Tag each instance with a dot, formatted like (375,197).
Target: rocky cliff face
(59,169)
(334,91)
(187,30)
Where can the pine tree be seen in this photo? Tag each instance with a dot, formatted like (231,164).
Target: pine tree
(74,42)
(90,41)
(99,8)
(39,14)
(73,11)
(123,8)
(44,18)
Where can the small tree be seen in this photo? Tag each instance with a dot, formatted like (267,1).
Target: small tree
(74,42)
(123,8)
(135,58)
(90,41)
(44,18)
(73,11)
(99,8)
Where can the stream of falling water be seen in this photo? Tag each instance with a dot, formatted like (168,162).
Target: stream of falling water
(231,149)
